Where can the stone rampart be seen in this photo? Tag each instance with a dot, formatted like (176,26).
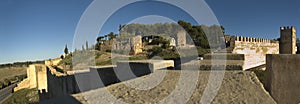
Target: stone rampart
(254,49)
(52,62)
(283,78)
(133,45)
(37,78)
(60,84)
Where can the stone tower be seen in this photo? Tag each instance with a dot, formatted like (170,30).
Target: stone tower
(287,44)
(181,38)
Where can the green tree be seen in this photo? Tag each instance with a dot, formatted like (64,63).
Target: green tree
(82,48)
(105,36)
(66,50)
(100,38)
(87,45)
(111,36)
(1,85)
(7,82)
(121,27)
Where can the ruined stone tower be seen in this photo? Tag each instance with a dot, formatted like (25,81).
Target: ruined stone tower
(181,38)
(287,44)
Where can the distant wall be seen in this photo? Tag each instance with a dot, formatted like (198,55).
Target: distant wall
(133,44)
(254,49)
(283,78)
(52,62)
(181,38)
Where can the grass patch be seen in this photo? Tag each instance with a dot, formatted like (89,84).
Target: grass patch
(107,62)
(144,57)
(202,51)
(23,96)
(260,73)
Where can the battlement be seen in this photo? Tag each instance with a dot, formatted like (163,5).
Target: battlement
(284,28)
(257,40)
(288,40)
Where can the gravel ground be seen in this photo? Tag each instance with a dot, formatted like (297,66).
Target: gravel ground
(177,87)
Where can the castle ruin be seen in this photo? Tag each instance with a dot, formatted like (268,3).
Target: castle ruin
(133,45)
(181,38)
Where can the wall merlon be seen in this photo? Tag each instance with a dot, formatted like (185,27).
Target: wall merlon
(253,40)
(284,28)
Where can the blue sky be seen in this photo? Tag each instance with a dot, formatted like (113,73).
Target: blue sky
(40,29)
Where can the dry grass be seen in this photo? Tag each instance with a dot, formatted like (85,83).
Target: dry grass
(23,96)
(9,72)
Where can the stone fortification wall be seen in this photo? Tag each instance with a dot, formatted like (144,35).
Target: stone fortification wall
(53,62)
(37,78)
(282,78)
(133,44)
(181,38)
(287,40)
(58,86)
(254,49)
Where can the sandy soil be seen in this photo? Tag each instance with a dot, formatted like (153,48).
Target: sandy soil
(175,86)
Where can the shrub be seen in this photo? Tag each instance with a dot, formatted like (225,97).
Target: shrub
(108,50)
(138,58)
(107,62)
(1,85)
(67,60)
(164,53)
(202,51)
(7,82)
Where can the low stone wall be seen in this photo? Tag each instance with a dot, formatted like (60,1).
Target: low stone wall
(232,60)
(224,56)
(53,84)
(213,65)
(283,78)
(64,84)
(150,65)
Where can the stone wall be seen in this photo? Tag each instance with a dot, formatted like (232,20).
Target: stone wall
(254,49)
(287,40)
(37,78)
(133,44)
(58,86)
(52,62)
(181,38)
(283,78)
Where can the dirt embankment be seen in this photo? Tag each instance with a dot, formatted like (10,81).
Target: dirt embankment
(236,87)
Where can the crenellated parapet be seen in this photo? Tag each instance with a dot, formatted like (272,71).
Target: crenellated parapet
(287,28)
(254,40)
